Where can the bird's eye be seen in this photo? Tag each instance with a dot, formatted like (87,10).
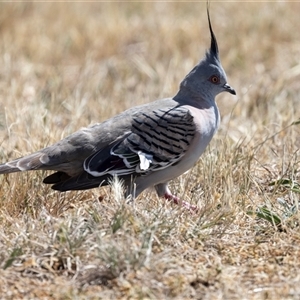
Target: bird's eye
(214,79)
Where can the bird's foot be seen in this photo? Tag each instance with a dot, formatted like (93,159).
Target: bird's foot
(178,201)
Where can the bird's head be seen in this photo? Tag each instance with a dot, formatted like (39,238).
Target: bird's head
(208,78)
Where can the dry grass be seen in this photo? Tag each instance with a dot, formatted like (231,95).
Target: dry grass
(67,65)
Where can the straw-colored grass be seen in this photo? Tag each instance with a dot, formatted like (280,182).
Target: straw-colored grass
(67,65)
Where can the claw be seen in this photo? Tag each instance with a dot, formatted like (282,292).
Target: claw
(178,201)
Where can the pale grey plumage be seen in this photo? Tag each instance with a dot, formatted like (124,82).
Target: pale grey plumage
(146,146)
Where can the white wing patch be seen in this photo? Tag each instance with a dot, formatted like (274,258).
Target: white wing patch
(145,160)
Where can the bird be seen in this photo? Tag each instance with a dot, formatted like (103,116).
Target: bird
(144,146)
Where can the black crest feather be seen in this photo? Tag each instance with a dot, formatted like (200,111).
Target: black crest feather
(214,45)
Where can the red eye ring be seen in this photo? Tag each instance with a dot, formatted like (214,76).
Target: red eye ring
(214,79)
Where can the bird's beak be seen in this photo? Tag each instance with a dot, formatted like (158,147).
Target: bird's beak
(229,89)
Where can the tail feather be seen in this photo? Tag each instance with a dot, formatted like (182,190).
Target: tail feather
(26,163)
(84,181)
(57,177)
(7,168)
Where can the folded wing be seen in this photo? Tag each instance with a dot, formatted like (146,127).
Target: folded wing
(157,140)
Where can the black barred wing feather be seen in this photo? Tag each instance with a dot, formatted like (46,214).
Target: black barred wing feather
(158,139)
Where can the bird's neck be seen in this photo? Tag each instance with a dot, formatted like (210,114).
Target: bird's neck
(189,96)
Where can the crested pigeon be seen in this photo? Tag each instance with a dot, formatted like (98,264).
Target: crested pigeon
(145,146)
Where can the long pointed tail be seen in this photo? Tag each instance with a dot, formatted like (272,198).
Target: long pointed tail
(9,168)
(26,163)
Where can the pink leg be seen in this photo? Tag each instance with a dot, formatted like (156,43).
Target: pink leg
(176,200)
(163,191)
